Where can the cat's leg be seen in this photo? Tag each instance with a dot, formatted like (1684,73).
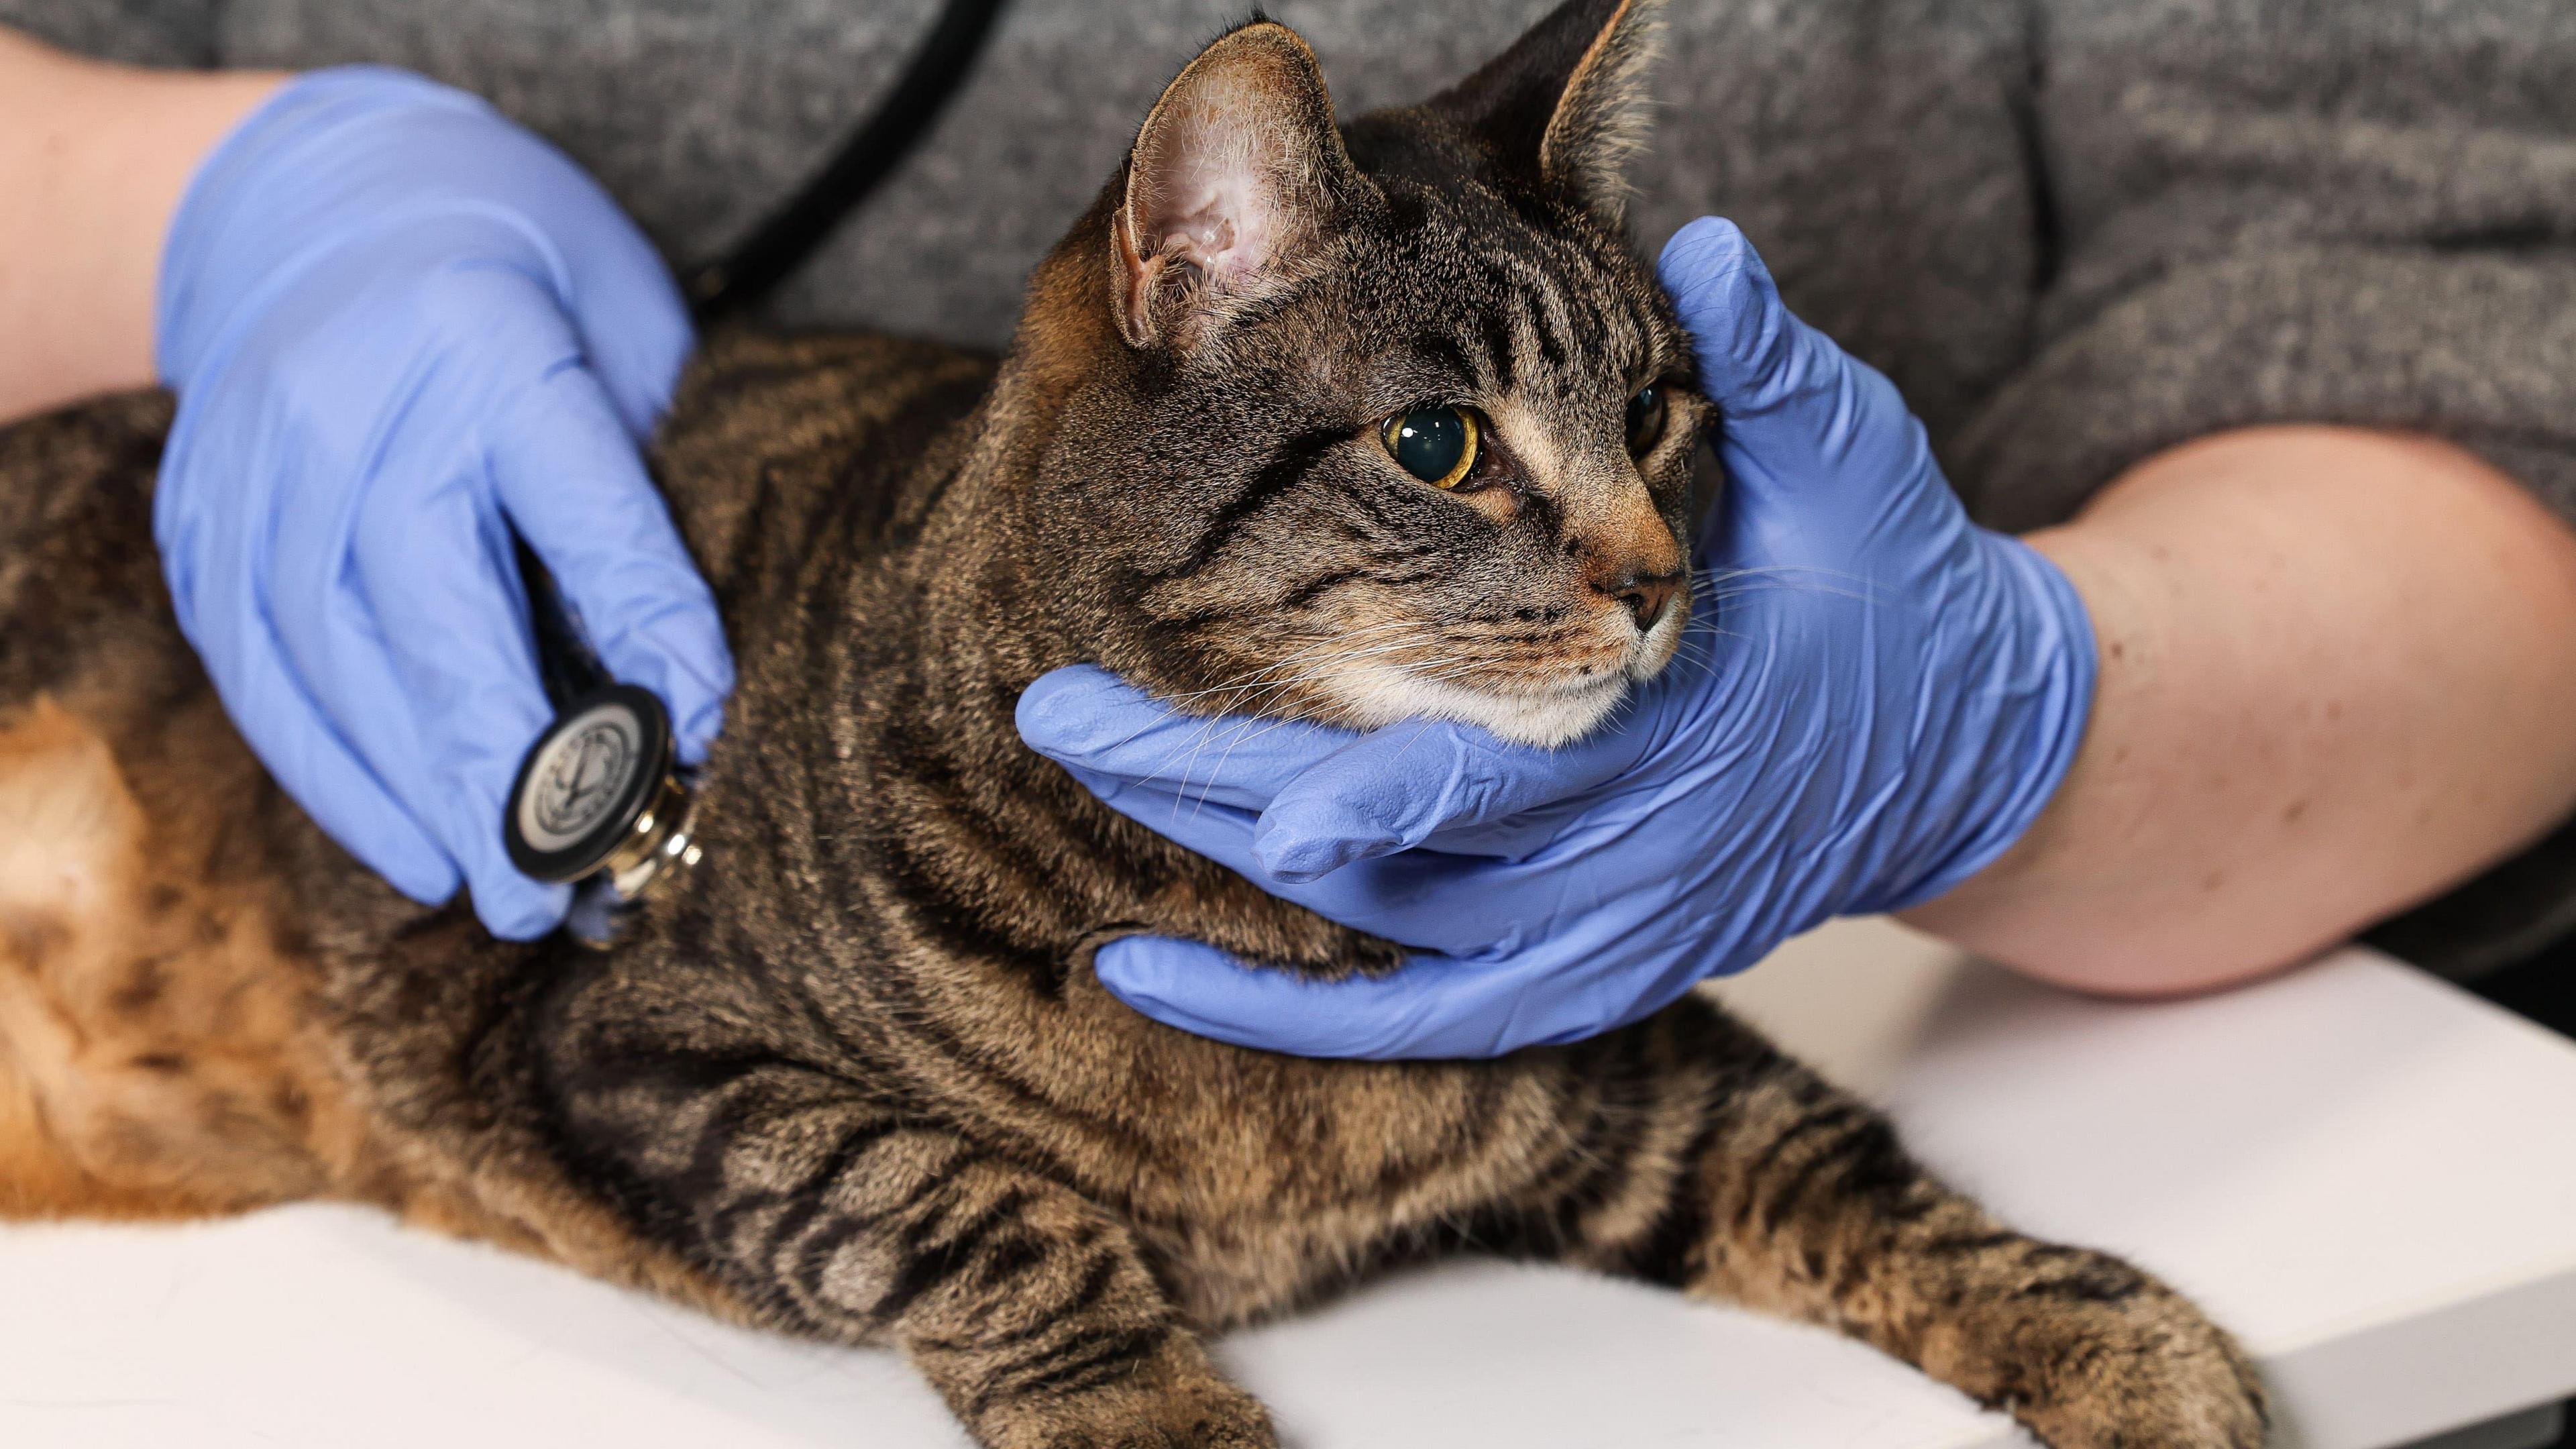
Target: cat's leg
(1729,1170)
(1027,1306)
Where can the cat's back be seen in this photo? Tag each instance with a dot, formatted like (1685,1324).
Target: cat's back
(78,573)
(770,441)
(775,444)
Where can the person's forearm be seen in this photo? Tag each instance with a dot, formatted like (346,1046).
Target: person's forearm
(93,159)
(2338,674)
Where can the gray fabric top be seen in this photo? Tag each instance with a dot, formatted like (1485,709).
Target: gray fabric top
(2074,231)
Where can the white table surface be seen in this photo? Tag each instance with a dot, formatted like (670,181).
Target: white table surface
(2367,1174)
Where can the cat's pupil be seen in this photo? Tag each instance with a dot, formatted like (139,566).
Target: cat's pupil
(1645,418)
(1436,445)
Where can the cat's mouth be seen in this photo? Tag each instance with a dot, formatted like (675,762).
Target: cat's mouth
(1543,702)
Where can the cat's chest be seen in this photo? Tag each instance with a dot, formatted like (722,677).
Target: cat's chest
(929,842)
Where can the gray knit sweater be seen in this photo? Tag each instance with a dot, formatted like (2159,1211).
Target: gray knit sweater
(2074,231)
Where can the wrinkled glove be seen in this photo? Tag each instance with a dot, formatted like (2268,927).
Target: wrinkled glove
(400,327)
(1876,700)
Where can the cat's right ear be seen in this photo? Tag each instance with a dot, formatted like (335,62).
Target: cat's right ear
(1567,102)
(1238,167)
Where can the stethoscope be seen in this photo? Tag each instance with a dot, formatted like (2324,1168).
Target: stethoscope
(599,802)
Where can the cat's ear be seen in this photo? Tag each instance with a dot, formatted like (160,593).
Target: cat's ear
(1238,167)
(1568,102)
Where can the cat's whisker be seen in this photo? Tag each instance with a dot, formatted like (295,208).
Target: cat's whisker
(1716,579)
(1250,689)
(1694,651)
(1251,729)
(1200,738)
(1338,662)
(1253,678)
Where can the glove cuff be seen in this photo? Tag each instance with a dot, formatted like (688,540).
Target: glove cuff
(2014,730)
(336,156)
(269,196)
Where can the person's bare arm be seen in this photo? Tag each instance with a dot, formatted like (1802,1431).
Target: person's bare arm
(93,159)
(2338,674)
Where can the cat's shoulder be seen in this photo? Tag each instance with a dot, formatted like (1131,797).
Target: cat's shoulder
(769,433)
(741,376)
(87,445)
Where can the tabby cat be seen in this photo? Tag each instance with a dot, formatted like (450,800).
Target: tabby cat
(1399,395)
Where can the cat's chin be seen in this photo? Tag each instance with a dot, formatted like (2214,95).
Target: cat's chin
(1546,715)
(1384,695)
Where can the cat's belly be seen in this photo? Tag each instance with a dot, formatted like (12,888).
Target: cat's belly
(155,1052)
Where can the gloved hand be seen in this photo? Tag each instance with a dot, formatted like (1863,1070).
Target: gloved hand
(1877,699)
(399,327)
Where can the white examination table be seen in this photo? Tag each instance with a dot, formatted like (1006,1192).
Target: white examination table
(2369,1175)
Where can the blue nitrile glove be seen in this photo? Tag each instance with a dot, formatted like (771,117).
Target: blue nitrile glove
(1876,700)
(400,326)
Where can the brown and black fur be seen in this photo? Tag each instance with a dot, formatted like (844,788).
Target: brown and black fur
(855,1079)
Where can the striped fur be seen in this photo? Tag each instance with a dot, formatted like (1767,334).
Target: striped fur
(856,1081)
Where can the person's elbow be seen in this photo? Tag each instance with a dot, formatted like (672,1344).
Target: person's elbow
(2169,952)
(2160,965)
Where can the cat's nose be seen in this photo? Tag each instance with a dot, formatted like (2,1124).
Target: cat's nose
(1646,595)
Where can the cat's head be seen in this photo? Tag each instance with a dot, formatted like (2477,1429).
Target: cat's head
(1370,423)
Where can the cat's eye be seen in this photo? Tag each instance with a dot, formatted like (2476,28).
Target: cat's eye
(1645,419)
(1436,444)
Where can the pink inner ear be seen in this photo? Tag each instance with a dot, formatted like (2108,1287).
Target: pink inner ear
(1211,197)
(1226,234)
(1232,173)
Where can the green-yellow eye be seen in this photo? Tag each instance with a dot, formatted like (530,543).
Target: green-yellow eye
(1436,445)
(1645,419)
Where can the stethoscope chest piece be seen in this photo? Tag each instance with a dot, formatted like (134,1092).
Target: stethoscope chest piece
(598,804)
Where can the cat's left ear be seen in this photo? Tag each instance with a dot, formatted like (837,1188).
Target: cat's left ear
(1238,169)
(1568,102)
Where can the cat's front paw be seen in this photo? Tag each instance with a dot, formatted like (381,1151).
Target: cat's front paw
(2094,1354)
(1216,1416)
(1174,1401)
(2154,1396)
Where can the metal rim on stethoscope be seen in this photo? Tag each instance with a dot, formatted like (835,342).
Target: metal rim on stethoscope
(587,783)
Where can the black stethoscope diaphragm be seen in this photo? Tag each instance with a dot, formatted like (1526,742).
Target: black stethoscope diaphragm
(587,783)
(597,804)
